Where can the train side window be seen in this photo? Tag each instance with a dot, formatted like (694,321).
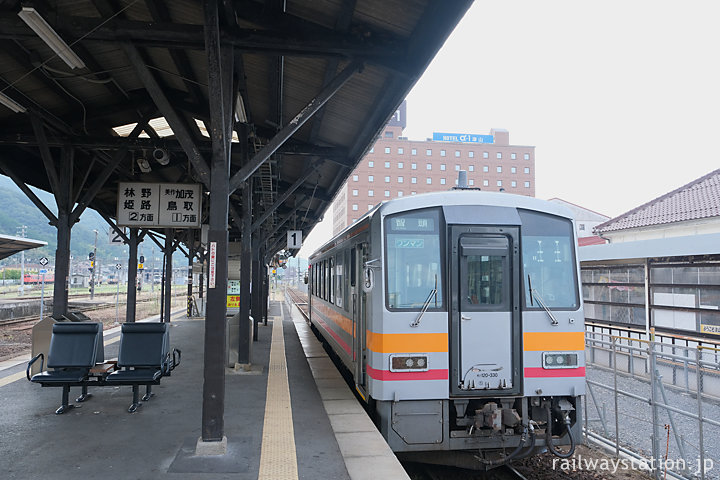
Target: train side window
(339,274)
(413,260)
(331,296)
(353,260)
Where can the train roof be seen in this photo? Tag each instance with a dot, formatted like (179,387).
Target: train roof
(448,198)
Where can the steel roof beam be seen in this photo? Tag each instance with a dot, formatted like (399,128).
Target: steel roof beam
(174,119)
(298,121)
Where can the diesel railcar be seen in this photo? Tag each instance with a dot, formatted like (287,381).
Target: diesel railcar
(459,316)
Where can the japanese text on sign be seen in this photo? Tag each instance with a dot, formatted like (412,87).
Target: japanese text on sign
(172,205)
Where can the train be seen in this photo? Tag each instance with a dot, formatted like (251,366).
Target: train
(36,279)
(458,317)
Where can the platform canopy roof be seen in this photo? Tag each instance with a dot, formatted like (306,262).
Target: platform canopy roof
(10,245)
(110,83)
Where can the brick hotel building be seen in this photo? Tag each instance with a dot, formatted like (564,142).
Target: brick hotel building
(396,167)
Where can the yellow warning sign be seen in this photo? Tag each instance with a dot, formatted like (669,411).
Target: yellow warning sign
(714,329)
(233,301)
(140,266)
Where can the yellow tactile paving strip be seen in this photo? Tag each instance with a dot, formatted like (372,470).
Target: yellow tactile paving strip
(278,460)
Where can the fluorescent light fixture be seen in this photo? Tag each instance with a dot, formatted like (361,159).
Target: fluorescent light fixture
(240,110)
(12,104)
(33,19)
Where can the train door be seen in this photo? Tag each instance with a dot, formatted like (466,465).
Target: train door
(358,256)
(485,313)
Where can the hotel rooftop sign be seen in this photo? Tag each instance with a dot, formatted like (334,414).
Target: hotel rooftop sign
(462,137)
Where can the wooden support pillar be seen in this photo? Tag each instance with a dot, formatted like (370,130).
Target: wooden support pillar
(167,308)
(245,275)
(132,276)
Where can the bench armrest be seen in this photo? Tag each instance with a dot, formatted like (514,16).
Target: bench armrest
(33,360)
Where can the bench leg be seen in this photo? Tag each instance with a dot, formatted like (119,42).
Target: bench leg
(148,394)
(85,395)
(136,401)
(65,401)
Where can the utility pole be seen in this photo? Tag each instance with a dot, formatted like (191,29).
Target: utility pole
(21,233)
(92,273)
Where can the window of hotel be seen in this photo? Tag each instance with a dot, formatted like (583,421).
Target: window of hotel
(428,152)
(513,170)
(513,156)
(400,179)
(513,184)
(389,134)
(355,206)
(413,180)
(527,170)
(387,149)
(401,150)
(413,151)
(401,164)
(387,164)
(400,193)
(442,167)
(442,153)
(499,169)
(387,179)
(526,156)
(370,206)
(527,184)
(457,167)
(387,193)
(428,166)
(471,168)
(485,155)
(442,181)
(413,166)
(355,193)
(471,154)
(457,153)
(499,183)
(371,164)
(372,150)
(371,178)
(499,155)
(485,183)
(428,181)
(371,193)
(471,182)
(355,178)
(413,193)
(486,168)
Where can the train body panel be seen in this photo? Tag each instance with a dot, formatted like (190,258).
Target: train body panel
(460,318)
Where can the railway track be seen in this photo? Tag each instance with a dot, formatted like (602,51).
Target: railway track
(17,322)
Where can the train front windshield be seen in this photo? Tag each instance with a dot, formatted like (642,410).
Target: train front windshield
(414,271)
(548,257)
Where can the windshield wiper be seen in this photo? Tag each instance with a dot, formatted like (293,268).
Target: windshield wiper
(433,293)
(534,293)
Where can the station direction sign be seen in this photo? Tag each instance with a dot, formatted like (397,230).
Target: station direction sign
(169,205)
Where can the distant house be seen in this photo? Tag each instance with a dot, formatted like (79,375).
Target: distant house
(693,209)
(585,221)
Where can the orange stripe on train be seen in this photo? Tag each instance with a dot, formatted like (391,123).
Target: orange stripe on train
(407,342)
(544,341)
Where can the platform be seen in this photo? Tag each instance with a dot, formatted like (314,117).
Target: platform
(290,417)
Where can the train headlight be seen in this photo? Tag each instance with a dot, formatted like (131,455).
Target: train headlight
(408,363)
(560,359)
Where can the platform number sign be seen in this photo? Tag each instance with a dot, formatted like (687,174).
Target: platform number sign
(294,239)
(114,238)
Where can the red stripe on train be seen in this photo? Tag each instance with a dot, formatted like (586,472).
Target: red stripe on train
(535,372)
(332,333)
(386,375)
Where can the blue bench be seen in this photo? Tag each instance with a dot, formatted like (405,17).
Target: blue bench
(144,358)
(73,352)
(75,348)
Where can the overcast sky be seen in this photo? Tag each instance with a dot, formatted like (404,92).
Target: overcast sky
(620,98)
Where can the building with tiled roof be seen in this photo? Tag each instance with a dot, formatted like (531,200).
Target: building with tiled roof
(693,209)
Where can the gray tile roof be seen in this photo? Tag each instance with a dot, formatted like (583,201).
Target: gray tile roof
(696,200)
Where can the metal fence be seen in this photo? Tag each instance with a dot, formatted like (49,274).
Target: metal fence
(656,403)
